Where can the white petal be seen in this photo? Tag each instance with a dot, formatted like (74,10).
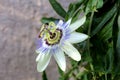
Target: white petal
(69,21)
(60,23)
(39,50)
(42,52)
(60,59)
(71,51)
(66,25)
(43,62)
(76,37)
(38,57)
(77,24)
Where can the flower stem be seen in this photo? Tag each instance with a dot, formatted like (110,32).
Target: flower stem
(44,76)
(89,30)
(105,76)
(91,66)
(88,44)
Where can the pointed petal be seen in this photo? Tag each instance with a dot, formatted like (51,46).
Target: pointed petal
(76,37)
(66,24)
(41,51)
(38,57)
(77,24)
(60,23)
(43,62)
(38,43)
(60,59)
(71,51)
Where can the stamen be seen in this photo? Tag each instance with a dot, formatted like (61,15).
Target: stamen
(53,35)
(50,34)
(54,38)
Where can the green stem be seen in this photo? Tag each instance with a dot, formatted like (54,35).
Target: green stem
(91,66)
(105,76)
(89,30)
(44,76)
(85,77)
(74,76)
(88,44)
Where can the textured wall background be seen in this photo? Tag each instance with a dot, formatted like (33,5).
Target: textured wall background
(19,24)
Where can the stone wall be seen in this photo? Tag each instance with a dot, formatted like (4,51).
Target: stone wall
(19,25)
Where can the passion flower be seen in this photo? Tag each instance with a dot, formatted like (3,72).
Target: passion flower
(56,39)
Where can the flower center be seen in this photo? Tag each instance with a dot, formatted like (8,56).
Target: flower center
(50,34)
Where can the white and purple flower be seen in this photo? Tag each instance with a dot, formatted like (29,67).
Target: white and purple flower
(57,39)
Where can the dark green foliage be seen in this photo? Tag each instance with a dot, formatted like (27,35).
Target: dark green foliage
(105,19)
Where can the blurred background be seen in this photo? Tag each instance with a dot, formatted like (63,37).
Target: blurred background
(19,25)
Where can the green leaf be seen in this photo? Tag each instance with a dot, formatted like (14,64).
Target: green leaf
(92,5)
(117,77)
(119,22)
(98,52)
(117,54)
(106,32)
(109,59)
(74,10)
(47,20)
(44,76)
(58,8)
(116,42)
(99,3)
(89,6)
(104,21)
(81,73)
(70,11)
(60,72)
